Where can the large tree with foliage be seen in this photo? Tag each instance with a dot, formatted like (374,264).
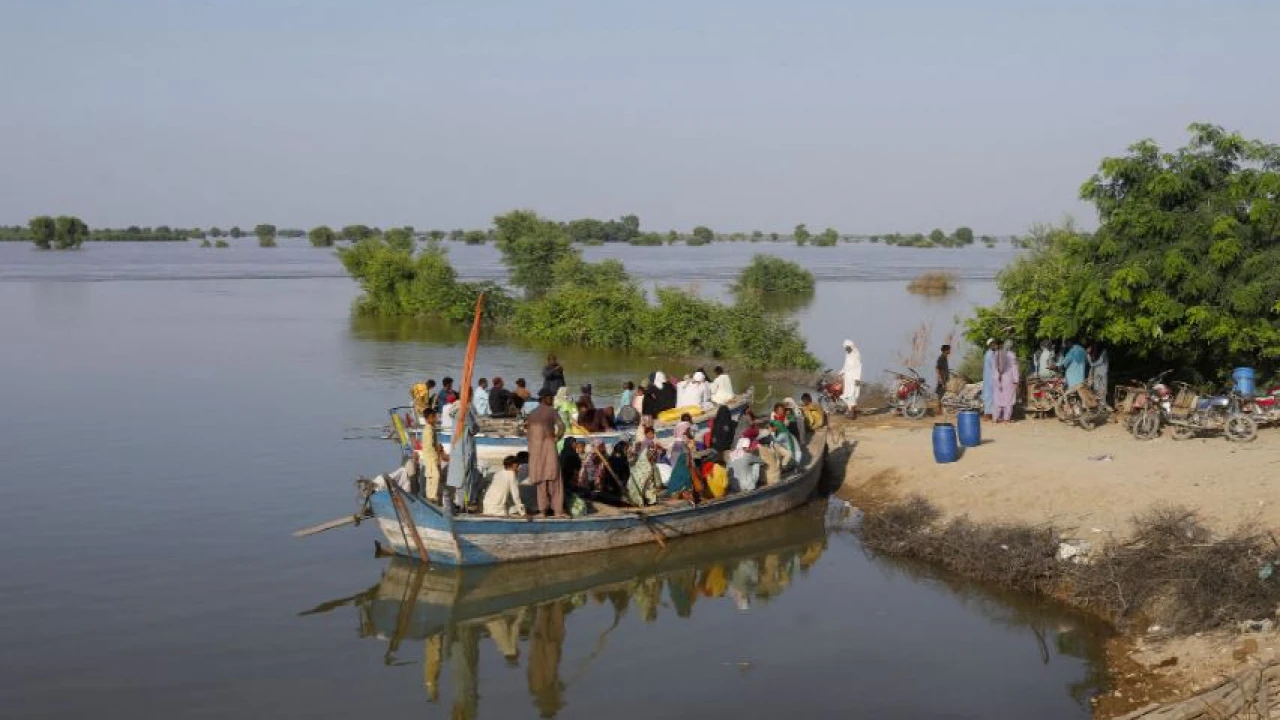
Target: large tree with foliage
(963,235)
(703,234)
(531,246)
(801,234)
(356,233)
(1183,271)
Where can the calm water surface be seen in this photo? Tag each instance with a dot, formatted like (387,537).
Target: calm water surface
(170,414)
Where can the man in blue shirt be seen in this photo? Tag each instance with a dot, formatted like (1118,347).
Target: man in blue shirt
(1074,364)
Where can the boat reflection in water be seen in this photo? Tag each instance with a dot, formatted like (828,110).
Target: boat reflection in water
(452,610)
(520,609)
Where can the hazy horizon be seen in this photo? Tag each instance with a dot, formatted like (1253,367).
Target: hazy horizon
(737,115)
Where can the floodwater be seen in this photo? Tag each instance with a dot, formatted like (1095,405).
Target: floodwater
(171,413)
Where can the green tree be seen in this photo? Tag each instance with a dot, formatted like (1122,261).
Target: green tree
(773,237)
(672,237)
(436,235)
(937,237)
(221,244)
(399,238)
(756,236)
(69,232)
(266,233)
(801,235)
(964,235)
(43,231)
(456,235)
(216,232)
(196,234)
(322,236)
(475,237)
(235,232)
(703,234)
(828,238)
(1183,271)
(770,274)
(356,233)
(530,248)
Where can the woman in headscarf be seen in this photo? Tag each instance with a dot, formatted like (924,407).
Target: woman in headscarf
(1007,376)
(666,392)
(723,428)
(593,466)
(570,465)
(989,379)
(852,375)
(642,481)
(697,391)
(617,477)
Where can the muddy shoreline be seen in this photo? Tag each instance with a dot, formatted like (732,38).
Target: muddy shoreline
(1034,485)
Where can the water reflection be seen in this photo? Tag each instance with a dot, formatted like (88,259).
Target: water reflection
(522,611)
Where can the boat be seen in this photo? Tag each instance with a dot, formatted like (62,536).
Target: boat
(412,526)
(433,533)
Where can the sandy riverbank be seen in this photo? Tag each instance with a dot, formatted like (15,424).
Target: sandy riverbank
(1090,485)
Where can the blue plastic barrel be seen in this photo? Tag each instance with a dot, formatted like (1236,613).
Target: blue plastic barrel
(1244,378)
(945,447)
(969,427)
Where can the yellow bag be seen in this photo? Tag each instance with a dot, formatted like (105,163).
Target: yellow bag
(674,414)
(717,481)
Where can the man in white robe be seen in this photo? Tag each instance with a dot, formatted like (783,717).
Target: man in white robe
(852,375)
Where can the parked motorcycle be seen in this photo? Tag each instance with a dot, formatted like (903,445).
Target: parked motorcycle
(962,395)
(1149,411)
(830,387)
(910,394)
(1191,414)
(1264,409)
(1079,406)
(1043,395)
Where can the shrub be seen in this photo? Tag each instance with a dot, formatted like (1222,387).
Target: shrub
(221,244)
(933,282)
(768,274)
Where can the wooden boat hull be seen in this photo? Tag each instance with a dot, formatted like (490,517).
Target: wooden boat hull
(479,540)
(416,602)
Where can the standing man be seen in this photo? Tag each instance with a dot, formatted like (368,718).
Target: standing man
(851,374)
(543,428)
(1007,377)
(1074,364)
(480,400)
(989,380)
(943,368)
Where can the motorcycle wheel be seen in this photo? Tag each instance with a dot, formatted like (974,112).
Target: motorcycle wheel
(914,407)
(1092,420)
(1063,411)
(1241,428)
(1183,432)
(1145,425)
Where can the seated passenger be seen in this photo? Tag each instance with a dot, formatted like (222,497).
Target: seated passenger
(814,417)
(480,398)
(503,496)
(721,387)
(744,467)
(502,403)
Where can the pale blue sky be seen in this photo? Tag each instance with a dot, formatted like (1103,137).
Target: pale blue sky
(738,114)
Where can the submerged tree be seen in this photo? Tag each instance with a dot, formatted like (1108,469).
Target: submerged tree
(266,233)
(43,231)
(801,234)
(322,236)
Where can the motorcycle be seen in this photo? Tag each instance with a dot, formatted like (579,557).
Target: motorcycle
(1078,406)
(830,387)
(1044,395)
(962,395)
(1150,409)
(910,394)
(1191,414)
(1264,409)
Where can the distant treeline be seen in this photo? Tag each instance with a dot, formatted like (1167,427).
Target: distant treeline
(584,231)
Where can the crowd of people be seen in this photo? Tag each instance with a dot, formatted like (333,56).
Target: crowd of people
(567,471)
(1084,369)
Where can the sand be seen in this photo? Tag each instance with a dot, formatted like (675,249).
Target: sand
(1086,483)
(1090,485)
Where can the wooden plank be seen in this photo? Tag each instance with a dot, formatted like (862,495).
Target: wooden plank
(329,525)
